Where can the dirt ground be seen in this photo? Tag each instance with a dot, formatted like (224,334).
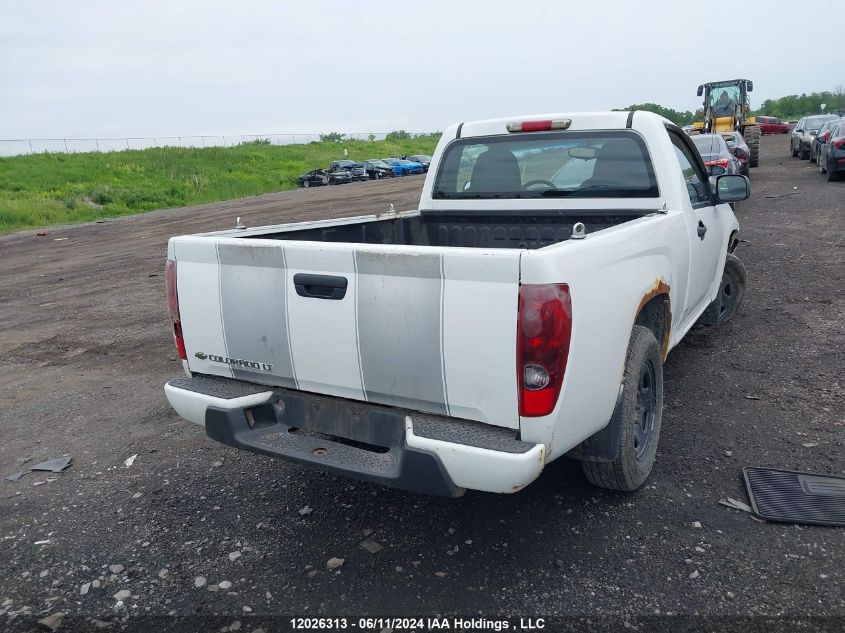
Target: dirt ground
(85,349)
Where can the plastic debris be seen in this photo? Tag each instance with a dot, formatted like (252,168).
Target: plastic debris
(54,465)
(730,502)
(15,476)
(130,460)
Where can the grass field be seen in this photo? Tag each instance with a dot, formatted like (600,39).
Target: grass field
(42,189)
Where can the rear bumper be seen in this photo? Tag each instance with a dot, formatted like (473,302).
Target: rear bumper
(395,447)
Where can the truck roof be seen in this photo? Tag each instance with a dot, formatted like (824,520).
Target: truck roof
(613,120)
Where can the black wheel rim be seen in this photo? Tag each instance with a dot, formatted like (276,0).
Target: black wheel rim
(646,409)
(727,297)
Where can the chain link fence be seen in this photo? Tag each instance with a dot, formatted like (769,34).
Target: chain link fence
(16,147)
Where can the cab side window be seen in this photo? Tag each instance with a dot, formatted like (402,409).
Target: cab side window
(697,182)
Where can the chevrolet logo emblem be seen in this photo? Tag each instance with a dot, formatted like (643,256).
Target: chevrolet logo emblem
(201,356)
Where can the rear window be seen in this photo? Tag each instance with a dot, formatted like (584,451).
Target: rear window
(815,122)
(548,165)
(708,144)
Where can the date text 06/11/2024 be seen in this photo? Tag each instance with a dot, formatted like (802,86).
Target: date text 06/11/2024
(418,624)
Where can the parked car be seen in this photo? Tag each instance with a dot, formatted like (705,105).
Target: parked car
(422,159)
(716,155)
(468,343)
(357,169)
(340,176)
(377,168)
(804,133)
(739,148)
(403,167)
(814,145)
(314,178)
(771,125)
(832,152)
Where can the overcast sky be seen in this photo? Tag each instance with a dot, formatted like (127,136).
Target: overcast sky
(106,68)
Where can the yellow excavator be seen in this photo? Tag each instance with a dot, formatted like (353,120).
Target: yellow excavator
(726,108)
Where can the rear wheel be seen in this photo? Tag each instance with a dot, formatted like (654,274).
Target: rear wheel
(752,139)
(642,411)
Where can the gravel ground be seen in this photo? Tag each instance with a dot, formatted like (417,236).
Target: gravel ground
(198,535)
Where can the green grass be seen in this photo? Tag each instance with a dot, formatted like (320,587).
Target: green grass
(52,188)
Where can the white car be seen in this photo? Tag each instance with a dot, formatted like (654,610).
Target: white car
(522,313)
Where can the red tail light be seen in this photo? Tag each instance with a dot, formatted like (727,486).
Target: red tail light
(543,332)
(839,143)
(538,126)
(718,163)
(173,306)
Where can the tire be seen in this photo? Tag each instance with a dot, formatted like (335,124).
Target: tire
(306,184)
(822,167)
(792,149)
(812,156)
(642,411)
(802,153)
(831,175)
(752,139)
(731,294)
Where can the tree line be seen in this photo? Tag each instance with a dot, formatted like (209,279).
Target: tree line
(788,107)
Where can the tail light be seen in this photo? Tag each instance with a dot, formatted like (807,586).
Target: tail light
(717,163)
(839,143)
(173,306)
(544,330)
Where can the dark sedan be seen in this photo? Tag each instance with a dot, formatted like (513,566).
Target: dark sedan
(804,132)
(832,152)
(422,159)
(739,148)
(340,176)
(356,169)
(377,168)
(314,178)
(818,139)
(717,157)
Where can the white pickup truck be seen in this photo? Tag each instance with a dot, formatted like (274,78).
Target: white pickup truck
(522,313)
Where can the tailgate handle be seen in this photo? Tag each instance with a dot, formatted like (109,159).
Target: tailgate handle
(320,286)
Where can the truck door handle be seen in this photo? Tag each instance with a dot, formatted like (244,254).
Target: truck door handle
(701,229)
(320,286)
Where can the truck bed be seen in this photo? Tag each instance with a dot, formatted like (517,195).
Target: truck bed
(458,229)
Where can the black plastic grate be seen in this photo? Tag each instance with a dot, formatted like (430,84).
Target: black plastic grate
(794,497)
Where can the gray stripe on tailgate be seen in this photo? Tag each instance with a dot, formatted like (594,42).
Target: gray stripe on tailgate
(252,282)
(399,329)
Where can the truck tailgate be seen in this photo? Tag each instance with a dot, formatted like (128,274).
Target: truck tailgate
(425,328)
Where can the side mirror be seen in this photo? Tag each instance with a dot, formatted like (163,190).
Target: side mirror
(749,86)
(700,91)
(732,188)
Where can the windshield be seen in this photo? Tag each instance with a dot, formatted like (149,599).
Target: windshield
(585,164)
(378,163)
(723,99)
(344,163)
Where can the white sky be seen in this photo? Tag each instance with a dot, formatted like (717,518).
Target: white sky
(91,68)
